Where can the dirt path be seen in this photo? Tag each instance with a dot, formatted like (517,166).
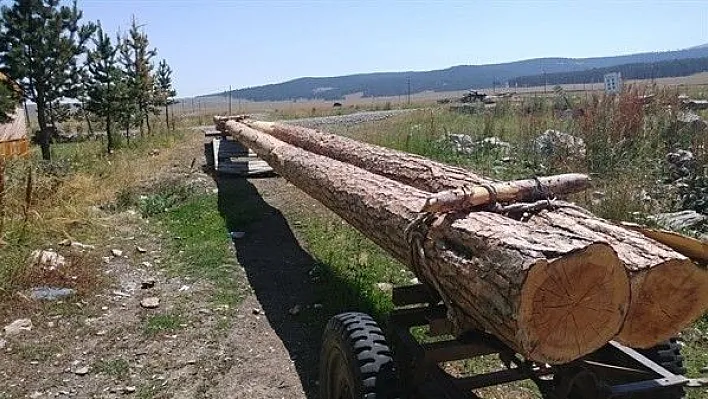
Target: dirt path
(107,345)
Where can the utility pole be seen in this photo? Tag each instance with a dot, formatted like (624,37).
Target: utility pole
(230,101)
(408,81)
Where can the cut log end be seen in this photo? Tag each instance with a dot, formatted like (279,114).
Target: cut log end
(665,299)
(573,305)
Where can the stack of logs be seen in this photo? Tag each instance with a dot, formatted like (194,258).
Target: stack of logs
(546,277)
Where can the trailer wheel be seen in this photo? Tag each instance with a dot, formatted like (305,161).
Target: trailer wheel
(356,361)
(667,355)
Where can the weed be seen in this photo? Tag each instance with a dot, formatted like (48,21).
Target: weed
(160,323)
(201,245)
(116,368)
(165,196)
(37,352)
(59,201)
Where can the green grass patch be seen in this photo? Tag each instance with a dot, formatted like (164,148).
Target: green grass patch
(116,368)
(160,323)
(201,246)
(348,270)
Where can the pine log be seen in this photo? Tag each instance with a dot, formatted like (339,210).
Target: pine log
(551,295)
(512,191)
(669,291)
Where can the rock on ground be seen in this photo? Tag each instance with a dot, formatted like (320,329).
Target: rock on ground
(18,327)
(48,260)
(51,294)
(554,142)
(680,220)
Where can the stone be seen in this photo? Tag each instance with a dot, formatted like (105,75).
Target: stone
(50,294)
(129,389)
(464,144)
(106,259)
(557,143)
(78,245)
(235,235)
(680,220)
(150,302)
(692,121)
(256,311)
(3,343)
(681,163)
(49,260)
(295,310)
(116,252)
(140,249)
(18,327)
(82,370)
(147,284)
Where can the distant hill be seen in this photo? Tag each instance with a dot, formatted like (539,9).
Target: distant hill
(643,70)
(460,77)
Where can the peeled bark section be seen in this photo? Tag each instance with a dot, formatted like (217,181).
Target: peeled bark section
(669,291)
(550,295)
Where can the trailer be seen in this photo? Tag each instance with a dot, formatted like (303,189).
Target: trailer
(359,360)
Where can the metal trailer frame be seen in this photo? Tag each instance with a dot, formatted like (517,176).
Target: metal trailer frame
(613,371)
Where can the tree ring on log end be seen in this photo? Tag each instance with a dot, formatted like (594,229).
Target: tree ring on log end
(573,305)
(665,299)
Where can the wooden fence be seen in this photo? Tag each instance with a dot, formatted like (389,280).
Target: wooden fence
(14,148)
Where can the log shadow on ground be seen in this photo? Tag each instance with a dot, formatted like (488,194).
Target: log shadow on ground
(277,269)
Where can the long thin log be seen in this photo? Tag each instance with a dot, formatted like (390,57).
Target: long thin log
(669,291)
(513,191)
(551,295)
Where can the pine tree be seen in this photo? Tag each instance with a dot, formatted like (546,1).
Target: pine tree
(40,41)
(105,77)
(136,57)
(9,99)
(163,81)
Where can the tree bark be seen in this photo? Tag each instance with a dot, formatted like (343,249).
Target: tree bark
(669,291)
(44,139)
(551,295)
(109,134)
(147,122)
(87,119)
(167,117)
(413,170)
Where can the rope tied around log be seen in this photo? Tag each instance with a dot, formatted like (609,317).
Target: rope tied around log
(541,190)
(415,234)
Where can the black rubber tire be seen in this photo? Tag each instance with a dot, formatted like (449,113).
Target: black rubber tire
(667,355)
(356,361)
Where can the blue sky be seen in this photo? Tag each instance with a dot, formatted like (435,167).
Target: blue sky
(212,44)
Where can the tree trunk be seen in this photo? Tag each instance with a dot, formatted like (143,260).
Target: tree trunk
(669,291)
(86,118)
(44,139)
(147,122)
(127,133)
(493,272)
(109,134)
(167,117)
(409,169)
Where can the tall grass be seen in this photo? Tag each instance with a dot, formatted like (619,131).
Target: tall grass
(64,197)
(626,144)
